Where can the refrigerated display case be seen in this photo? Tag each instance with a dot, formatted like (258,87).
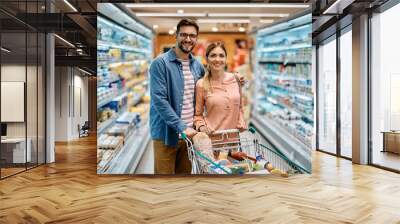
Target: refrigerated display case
(284,97)
(123,58)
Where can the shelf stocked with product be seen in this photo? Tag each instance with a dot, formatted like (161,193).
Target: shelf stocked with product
(277,135)
(122,93)
(284,93)
(127,136)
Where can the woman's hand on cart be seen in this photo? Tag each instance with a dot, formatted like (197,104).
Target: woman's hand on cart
(242,128)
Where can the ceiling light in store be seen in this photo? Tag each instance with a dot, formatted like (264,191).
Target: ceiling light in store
(155,26)
(223,21)
(242,29)
(43,7)
(266,20)
(180,11)
(171,32)
(214,29)
(248,14)
(70,5)
(5,50)
(216,5)
(170,14)
(65,41)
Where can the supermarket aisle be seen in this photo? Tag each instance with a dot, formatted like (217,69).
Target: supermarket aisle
(146,164)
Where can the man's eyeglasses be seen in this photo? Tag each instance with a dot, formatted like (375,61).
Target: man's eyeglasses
(190,35)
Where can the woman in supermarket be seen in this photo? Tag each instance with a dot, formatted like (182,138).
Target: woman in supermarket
(218,94)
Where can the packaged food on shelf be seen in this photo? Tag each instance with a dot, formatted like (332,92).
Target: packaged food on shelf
(108,142)
(105,94)
(140,109)
(146,99)
(129,118)
(104,114)
(118,103)
(115,53)
(121,130)
(136,80)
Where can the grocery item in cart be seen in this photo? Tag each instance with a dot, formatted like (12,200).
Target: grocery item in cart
(241,156)
(203,144)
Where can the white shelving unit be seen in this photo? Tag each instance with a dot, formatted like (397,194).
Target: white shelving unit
(284,101)
(118,46)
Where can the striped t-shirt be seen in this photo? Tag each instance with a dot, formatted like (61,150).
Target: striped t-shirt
(188,95)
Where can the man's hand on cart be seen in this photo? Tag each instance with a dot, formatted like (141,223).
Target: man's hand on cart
(189,132)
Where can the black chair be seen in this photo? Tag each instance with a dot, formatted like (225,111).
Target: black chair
(84,130)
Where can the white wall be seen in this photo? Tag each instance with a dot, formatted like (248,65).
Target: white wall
(61,103)
(71,93)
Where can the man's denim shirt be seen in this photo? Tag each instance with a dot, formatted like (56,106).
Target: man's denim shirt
(166,94)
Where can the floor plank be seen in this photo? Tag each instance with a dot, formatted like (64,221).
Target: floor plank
(70,191)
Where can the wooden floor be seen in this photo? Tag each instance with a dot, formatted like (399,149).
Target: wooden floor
(70,191)
(10,171)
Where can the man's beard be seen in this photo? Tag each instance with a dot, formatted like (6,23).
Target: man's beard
(187,51)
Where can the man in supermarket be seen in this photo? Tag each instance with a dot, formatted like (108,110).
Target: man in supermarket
(173,76)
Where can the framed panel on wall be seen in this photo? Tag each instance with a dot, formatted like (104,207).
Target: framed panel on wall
(148,122)
(12,100)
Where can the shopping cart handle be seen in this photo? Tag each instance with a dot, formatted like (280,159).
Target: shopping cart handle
(252,130)
(225,131)
(184,136)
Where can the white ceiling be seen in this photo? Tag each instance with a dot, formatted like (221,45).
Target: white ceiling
(253,13)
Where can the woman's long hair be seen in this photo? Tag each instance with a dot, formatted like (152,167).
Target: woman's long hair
(207,76)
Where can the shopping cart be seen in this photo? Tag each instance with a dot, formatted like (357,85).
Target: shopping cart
(232,140)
